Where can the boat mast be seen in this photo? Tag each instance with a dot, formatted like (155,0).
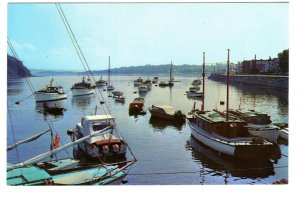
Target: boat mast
(227,102)
(108,70)
(203,86)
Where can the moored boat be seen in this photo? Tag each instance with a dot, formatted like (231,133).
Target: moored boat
(107,143)
(259,124)
(50,93)
(55,109)
(155,80)
(167,113)
(137,105)
(143,88)
(83,88)
(138,81)
(196,82)
(101,82)
(228,135)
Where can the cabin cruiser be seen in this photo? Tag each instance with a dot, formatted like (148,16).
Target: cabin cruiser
(107,143)
(50,93)
(143,88)
(138,81)
(101,82)
(83,88)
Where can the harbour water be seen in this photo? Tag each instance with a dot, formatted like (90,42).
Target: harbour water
(166,153)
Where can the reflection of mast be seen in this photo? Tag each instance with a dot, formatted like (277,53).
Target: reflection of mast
(171,72)
(203,86)
(227,100)
(108,70)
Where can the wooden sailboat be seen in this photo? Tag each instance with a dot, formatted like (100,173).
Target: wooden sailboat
(227,135)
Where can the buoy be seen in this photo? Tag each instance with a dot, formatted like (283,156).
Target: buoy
(102,102)
(17,102)
(222,102)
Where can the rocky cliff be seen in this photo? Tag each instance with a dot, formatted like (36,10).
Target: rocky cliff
(15,68)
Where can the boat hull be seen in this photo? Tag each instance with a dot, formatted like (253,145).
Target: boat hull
(82,91)
(165,116)
(244,150)
(284,134)
(41,97)
(270,134)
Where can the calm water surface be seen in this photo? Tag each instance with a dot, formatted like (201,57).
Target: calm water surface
(166,153)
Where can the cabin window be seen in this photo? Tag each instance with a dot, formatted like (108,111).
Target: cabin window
(100,126)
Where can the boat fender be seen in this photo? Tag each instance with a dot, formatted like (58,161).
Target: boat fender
(116,148)
(105,149)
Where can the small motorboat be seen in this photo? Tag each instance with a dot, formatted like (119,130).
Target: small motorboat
(120,98)
(55,110)
(101,82)
(107,143)
(117,93)
(137,105)
(138,81)
(155,80)
(167,113)
(143,88)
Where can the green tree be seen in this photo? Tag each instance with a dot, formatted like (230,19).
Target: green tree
(283,58)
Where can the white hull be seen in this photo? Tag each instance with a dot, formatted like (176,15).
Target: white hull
(194,94)
(82,91)
(40,96)
(270,134)
(211,141)
(284,134)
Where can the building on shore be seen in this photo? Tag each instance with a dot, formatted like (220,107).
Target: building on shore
(262,66)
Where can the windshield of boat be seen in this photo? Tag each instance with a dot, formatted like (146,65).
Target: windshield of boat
(97,126)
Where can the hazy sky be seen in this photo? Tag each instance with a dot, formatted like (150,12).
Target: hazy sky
(146,33)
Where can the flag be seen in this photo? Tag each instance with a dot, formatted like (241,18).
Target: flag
(56,141)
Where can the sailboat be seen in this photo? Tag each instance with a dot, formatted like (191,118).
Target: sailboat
(227,135)
(62,171)
(109,87)
(171,80)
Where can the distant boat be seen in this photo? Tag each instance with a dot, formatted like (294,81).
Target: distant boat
(167,113)
(143,88)
(83,88)
(196,82)
(101,82)
(155,80)
(138,81)
(50,93)
(120,98)
(194,92)
(171,79)
(117,93)
(106,143)
(109,87)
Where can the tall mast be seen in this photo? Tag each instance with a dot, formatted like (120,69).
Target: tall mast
(227,102)
(203,84)
(108,70)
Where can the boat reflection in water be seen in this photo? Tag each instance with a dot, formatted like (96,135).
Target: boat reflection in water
(159,124)
(215,163)
(82,102)
(54,108)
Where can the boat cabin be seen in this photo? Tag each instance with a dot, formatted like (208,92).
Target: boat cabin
(94,123)
(214,123)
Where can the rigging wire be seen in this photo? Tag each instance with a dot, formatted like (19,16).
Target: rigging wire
(83,60)
(17,57)
(79,51)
